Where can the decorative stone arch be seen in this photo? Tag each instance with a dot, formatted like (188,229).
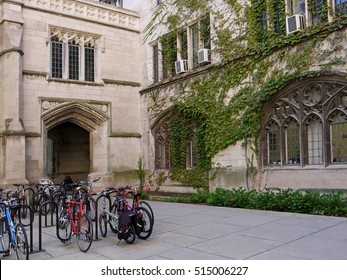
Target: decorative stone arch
(92,118)
(80,113)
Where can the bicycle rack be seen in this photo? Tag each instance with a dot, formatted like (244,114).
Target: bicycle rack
(96,213)
(31,213)
(44,206)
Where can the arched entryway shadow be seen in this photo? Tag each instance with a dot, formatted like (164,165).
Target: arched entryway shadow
(70,128)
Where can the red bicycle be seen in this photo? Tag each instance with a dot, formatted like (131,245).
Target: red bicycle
(75,221)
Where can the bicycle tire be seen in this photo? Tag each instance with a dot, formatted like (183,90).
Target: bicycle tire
(38,199)
(131,236)
(147,223)
(22,244)
(103,224)
(145,204)
(5,236)
(64,227)
(85,236)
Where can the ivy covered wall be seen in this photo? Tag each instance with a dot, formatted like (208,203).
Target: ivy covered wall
(252,60)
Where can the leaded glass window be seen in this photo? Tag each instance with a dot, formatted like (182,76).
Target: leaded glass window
(74,61)
(57,58)
(338,130)
(89,63)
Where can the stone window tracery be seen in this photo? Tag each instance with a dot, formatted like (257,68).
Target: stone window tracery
(306,125)
(73,55)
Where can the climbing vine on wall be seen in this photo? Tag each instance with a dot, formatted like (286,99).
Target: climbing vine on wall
(257,60)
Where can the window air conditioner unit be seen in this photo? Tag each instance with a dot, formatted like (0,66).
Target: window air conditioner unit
(295,23)
(181,66)
(204,56)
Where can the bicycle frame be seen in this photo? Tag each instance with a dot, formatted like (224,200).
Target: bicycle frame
(76,227)
(111,215)
(11,225)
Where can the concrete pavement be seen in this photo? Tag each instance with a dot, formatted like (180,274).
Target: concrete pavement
(199,232)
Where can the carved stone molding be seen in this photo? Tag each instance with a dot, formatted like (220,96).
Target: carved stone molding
(89,10)
(49,104)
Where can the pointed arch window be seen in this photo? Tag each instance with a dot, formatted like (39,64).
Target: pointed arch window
(162,146)
(306,125)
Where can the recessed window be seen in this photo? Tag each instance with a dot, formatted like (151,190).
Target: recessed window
(338,130)
(306,126)
(57,58)
(89,66)
(73,59)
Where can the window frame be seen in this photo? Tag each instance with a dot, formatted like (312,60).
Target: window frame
(313,100)
(80,60)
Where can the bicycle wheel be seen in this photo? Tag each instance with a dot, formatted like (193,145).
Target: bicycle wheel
(22,246)
(114,219)
(145,204)
(130,234)
(64,227)
(103,202)
(103,224)
(5,236)
(144,219)
(85,236)
(38,199)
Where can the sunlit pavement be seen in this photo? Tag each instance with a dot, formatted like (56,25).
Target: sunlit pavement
(199,232)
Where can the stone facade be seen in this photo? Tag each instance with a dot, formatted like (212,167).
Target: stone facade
(36,107)
(52,125)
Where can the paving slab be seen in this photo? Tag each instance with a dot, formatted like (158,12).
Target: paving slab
(200,232)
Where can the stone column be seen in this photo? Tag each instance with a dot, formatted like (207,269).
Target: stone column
(12,133)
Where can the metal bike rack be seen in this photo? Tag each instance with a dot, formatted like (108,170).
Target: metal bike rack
(96,213)
(31,217)
(44,206)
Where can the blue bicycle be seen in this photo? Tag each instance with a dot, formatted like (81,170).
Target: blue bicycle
(12,236)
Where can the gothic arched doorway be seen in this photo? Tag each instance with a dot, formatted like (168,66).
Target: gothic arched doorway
(68,151)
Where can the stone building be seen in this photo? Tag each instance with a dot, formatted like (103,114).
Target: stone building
(69,83)
(302,137)
(86,90)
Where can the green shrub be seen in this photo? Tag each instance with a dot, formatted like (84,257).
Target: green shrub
(286,200)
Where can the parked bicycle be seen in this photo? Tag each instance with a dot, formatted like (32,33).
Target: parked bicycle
(12,235)
(24,194)
(134,193)
(86,193)
(46,188)
(121,214)
(75,221)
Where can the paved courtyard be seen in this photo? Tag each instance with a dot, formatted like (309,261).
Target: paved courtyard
(199,232)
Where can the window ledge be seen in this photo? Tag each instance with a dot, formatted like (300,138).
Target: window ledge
(66,81)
